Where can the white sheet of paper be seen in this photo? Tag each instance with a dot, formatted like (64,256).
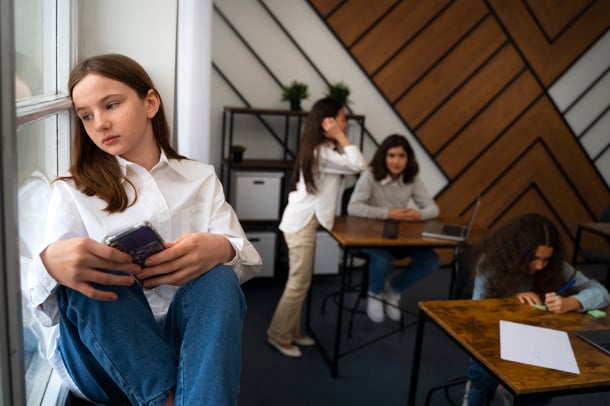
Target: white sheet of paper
(543,347)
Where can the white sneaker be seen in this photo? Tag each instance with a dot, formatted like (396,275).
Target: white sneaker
(374,307)
(392,299)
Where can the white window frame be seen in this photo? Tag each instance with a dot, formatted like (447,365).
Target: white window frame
(12,117)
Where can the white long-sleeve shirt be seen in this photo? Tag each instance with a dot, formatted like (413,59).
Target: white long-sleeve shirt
(176,196)
(302,205)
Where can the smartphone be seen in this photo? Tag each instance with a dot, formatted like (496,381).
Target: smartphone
(390,229)
(140,241)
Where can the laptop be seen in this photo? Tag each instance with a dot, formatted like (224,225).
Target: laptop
(455,232)
(599,338)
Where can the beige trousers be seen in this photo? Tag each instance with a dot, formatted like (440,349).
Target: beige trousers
(286,321)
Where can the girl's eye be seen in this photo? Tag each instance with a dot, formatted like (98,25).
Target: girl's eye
(85,117)
(112,105)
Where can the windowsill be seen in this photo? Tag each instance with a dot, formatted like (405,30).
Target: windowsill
(56,394)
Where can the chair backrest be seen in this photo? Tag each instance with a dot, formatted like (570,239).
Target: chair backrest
(345,196)
(463,272)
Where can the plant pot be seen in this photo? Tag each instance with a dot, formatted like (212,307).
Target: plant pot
(295,104)
(237,156)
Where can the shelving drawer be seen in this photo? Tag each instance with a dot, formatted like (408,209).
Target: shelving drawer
(264,242)
(256,195)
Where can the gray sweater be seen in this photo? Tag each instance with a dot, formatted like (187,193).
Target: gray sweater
(372,199)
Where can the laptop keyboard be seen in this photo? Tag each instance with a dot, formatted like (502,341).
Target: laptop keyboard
(450,229)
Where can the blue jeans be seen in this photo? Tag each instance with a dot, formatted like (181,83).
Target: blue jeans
(116,352)
(423,261)
(484,384)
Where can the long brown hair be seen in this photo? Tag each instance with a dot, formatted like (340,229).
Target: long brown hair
(378,163)
(505,256)
(312,137)
(95,172)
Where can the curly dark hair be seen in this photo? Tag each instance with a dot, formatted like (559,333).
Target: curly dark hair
(378,163)
(505,255)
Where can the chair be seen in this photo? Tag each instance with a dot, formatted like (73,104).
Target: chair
(596,256)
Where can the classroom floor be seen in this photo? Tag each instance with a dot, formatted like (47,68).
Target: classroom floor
(377,374)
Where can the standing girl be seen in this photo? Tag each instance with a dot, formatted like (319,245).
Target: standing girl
(525,259)
(384,192)
(312,202)
(125,334)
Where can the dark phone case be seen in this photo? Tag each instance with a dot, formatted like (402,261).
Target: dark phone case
(139,241)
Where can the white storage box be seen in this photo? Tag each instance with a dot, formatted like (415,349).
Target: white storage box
(256,195)
(327,254)
(264,242)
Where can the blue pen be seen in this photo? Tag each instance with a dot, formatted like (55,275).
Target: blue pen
(566,287)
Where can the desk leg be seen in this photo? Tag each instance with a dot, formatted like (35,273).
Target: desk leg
(419,335)
(335,358)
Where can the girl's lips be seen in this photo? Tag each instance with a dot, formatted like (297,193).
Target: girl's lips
(110,140)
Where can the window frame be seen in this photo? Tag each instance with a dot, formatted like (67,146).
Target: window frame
(13,116)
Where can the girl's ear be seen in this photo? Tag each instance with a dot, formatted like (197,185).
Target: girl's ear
(153,102)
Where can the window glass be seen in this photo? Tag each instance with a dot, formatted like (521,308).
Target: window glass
(35,44)
(39,162)
(42,61)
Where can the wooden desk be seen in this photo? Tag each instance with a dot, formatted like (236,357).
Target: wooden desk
(359,232)
(474,325)
(602,229)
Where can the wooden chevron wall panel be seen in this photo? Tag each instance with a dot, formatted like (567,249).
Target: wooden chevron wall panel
(470,79)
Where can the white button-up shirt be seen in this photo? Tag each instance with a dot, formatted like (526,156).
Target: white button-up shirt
(303,205)
(176,196)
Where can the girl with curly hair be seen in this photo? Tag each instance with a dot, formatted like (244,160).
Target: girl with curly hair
(524,258)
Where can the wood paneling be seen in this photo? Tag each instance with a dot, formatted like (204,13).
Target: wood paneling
(451,72)
(470,79)
(348,21)
(553,16)
(549,60)
(398,28)
(412,62)
(484,129)
(470,99)
(325,7)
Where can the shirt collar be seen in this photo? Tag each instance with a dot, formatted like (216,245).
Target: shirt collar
(163,160)
(388,179)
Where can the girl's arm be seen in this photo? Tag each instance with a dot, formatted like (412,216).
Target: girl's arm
(359,202)
(420,195)
(591,294)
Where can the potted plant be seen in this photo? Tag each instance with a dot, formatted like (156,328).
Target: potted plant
(294,93)
(339,91)
(237,152)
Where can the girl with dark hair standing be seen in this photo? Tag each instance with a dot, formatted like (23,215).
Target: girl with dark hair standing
(524,258)
(325,154)
(384,192)
(170,330)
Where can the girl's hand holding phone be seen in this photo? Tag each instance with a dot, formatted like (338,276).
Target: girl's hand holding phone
(78,262)
(185,259)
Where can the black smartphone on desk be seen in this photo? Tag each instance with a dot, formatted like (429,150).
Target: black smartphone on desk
(390,229)
(140,241)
